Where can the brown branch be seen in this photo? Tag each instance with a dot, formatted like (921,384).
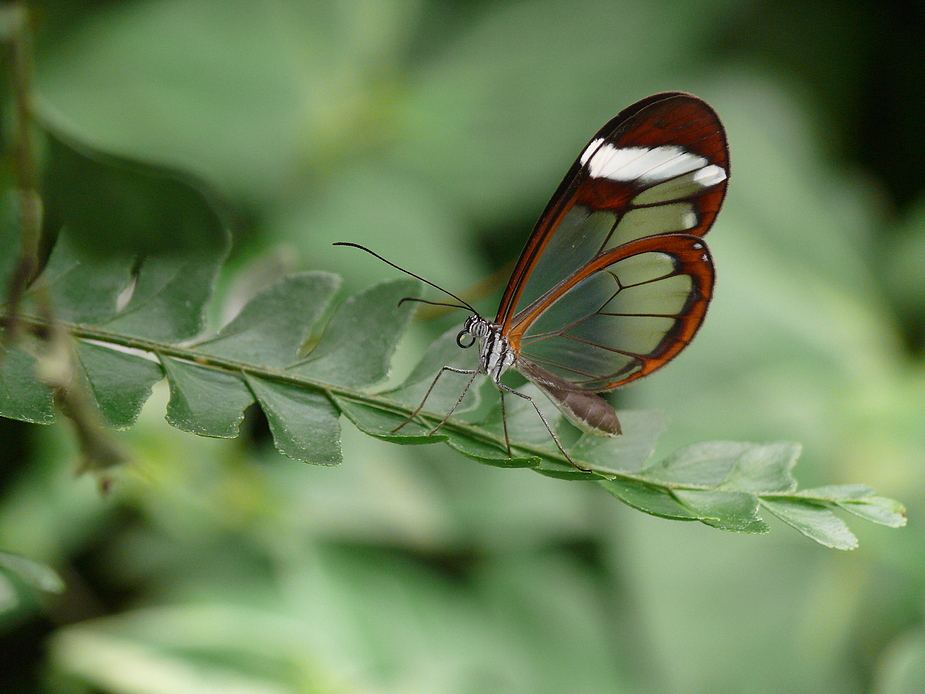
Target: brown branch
(56,361)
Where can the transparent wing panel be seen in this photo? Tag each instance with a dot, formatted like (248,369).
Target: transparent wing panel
(648,221)
(583,235)
(604,329)
(689,185)
(578,238)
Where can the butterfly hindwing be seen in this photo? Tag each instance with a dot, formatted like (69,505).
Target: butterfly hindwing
(621,316)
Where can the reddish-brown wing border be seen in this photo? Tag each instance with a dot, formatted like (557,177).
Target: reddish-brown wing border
(669,118)
(691,258)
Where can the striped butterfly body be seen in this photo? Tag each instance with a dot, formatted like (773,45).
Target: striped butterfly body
(615,279)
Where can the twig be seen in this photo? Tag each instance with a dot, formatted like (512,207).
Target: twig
(55,355)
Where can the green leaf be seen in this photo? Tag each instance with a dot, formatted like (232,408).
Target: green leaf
(169,296)
(358,342)
(524,424)
(653,500)
(877,509)
(129,232)
(734,511)
(164,295)
(730,465)
(627,452)
(85,288)
(860,500)
(143,305)
(21,582)
(304,424)
(836,492)
(381,423)
(22,395)
(119,382)
(273,325)
(115,206)
(211,383)
(205,401)
(444,351)
(813,520)
(726,510)
(493,452)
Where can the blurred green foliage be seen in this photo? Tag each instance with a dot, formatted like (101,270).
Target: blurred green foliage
(434,132)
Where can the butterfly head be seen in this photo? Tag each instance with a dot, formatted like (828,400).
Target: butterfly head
(495,352)
(475,328)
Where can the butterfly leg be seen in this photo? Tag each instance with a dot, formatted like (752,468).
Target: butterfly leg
(430,390)
(459,400)
(536,407)
(507,439)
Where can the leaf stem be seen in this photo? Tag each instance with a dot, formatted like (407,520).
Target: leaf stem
(233,366)
(227,365)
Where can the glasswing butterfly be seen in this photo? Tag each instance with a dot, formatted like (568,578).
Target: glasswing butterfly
(615,279)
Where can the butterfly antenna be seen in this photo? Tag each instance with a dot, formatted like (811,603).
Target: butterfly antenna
(464,304)
(430,303)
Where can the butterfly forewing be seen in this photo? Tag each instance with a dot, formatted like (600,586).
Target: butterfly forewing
(660,167)
(621,316)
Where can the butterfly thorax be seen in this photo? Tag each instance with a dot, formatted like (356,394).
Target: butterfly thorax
(495,352)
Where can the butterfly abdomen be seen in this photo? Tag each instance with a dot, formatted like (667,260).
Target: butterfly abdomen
(586,410)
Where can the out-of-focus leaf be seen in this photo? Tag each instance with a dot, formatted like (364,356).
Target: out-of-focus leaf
(902,669)
(164,295)
(9,235)
(477,103)
(169,296)
(115,206)
(272,91)
(138,247)
(902,262)
(85,288)
(37,575)
(22,582)
(118,663)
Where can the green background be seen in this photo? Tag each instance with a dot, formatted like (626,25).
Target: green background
(435,132)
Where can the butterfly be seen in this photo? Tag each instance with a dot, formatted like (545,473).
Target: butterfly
(615,278)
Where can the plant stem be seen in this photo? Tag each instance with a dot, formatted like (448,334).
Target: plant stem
(56,358)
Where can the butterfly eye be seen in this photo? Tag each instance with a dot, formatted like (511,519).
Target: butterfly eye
(464,334)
